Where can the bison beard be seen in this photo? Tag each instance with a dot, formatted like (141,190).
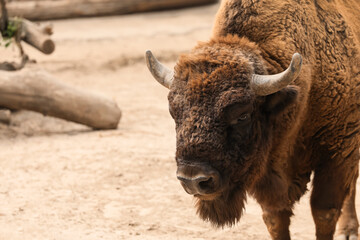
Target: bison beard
(225,210)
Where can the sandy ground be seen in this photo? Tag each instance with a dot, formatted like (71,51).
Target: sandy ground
(63,181)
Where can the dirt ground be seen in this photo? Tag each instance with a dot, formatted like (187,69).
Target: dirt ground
(63,181)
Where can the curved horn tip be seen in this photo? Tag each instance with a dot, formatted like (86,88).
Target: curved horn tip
(160,72)
(148,53)
(268,84)
(148,57)
(296,62)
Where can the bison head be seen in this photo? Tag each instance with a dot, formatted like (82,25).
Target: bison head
(224,108)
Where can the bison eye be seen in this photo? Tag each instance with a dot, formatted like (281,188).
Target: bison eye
(243,118)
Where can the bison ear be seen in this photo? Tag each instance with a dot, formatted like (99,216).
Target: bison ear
(279,101)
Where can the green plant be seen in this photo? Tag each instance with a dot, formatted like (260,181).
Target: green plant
(9,33)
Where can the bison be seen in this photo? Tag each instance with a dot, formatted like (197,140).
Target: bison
(250,121)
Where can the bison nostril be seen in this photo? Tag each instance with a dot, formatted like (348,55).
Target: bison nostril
(199,180)
(206,184)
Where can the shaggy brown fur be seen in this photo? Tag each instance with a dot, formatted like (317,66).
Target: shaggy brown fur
(310,126)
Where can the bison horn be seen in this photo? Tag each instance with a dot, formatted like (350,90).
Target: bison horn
(161,73)
(267,84)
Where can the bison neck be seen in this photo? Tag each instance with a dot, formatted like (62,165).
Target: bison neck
(287,173)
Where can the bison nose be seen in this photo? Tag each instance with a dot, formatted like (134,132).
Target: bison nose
(198,180)
(199,185)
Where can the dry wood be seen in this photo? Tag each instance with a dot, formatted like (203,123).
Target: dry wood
(48,9)
(39,91)
(36,35)
(4,16)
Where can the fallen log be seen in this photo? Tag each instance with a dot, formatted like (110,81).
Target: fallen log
(37,36)
(41,92)
(48,9)
(19,29)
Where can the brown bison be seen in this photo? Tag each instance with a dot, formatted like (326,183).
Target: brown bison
(249,121)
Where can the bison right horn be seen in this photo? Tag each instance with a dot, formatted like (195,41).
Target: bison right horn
(267,84)
(161,73)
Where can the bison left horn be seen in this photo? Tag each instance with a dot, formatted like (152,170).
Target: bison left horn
(161,73)
(267,84)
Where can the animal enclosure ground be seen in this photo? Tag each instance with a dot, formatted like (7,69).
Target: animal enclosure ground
(62,181)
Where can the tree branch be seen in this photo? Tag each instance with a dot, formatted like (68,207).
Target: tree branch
(4,18)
